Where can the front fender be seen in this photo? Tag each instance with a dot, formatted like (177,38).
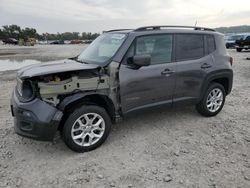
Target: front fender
(73,98)
(92,97)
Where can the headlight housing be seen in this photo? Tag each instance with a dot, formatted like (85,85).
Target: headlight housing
(19,85)
(25,90)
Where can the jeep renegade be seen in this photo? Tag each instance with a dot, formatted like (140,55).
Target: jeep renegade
(120,72)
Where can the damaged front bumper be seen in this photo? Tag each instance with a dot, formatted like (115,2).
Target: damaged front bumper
(35,119)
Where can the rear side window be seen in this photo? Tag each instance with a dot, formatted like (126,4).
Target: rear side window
(210,44)
(158,46)
(189,46)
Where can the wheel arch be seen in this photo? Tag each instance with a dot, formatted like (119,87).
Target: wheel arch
(77,100)
(225,78)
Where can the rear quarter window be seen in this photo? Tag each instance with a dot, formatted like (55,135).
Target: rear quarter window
(189,46)
(211,47)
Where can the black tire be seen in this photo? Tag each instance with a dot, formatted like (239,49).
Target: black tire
(238,49)
(202,108)
(66,132)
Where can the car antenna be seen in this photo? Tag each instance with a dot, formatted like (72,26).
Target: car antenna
(195,23)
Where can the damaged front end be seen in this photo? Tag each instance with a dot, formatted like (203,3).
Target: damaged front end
(39,93)
(54,88)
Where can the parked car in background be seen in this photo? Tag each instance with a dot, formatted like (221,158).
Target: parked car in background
(87,41)
(57,42)
(243,42)
(76,42)
(43,42)
(231,39)
(67,42)
(10,41)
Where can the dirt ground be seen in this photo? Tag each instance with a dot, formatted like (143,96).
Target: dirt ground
(168,148)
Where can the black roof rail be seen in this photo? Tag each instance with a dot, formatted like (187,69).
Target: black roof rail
(157,27)
(116,30)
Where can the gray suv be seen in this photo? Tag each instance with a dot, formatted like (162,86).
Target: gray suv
(119,73)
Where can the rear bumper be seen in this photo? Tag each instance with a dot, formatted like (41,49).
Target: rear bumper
(35,119)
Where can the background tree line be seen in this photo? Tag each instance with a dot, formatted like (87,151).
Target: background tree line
(15,31)
(234,29)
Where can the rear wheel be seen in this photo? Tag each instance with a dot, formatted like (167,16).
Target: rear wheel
(213,100)
(238,49)
(86,128)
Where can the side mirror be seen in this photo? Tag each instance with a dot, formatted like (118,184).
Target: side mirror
(140,60)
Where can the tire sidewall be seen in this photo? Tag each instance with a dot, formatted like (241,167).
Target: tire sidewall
(66,133)
(203,104)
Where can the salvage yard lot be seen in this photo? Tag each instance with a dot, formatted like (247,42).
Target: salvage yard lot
(165,148)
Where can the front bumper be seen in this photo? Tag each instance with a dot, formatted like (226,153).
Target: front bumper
(35,119)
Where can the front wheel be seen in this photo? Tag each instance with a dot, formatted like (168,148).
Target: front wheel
(213,100)
(86,128)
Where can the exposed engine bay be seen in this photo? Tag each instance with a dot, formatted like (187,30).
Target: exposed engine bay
(52,88)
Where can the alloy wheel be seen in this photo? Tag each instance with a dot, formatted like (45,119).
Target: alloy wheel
(88,129)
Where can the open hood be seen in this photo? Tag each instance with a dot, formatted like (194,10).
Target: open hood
(60,66)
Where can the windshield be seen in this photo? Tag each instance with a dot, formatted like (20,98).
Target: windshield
(236,37)
(102,48)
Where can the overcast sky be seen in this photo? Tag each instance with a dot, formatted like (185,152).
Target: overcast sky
(98,15)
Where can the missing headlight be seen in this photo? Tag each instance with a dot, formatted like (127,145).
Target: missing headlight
(28,90)
(25,90)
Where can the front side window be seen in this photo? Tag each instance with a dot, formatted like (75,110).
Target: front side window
(158,46)
(102,48)
(189,46)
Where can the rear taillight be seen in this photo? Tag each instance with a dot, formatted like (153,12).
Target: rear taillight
(231,61)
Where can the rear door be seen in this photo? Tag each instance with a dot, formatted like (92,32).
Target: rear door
(151,85)
(194,61)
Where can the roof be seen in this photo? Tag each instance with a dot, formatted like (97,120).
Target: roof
(162,28)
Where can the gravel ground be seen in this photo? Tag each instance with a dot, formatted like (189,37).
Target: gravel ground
(168,148)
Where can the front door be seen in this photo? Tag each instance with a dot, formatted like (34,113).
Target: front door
(150,85)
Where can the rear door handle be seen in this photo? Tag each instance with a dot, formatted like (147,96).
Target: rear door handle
(167,72)
(206,66)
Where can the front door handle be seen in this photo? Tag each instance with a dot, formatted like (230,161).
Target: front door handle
(206,66)
(167,72)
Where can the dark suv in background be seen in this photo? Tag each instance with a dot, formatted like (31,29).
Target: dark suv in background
(121,72)
(231,39)
(243,42)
